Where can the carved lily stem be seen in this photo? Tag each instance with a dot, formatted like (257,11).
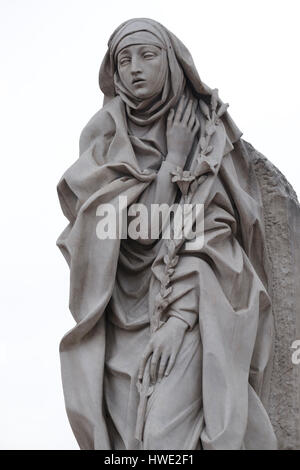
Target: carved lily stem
(188,184)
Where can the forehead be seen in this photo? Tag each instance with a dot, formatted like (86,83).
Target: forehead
(138,48)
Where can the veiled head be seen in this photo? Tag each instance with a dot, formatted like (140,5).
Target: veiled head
(144,48)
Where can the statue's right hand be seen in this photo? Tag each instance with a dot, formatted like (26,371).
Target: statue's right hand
(182,127)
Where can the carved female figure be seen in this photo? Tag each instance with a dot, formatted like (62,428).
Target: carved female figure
(172,347)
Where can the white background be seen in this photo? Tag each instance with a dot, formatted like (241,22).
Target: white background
(51,52)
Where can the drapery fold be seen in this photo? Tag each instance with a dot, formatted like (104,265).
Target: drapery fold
(234,312)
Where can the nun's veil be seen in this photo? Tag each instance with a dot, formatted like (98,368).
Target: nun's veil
(179,75)
(179,66)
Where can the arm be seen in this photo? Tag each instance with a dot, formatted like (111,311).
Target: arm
(182,128)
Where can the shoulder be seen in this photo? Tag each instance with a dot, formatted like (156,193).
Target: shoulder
(102,124)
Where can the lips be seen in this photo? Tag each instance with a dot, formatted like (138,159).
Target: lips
(138,80)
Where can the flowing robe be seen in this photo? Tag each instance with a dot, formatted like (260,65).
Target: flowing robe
(220,291)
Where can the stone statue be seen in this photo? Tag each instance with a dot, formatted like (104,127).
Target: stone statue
(177,345)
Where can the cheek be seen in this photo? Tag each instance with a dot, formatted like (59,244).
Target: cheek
(124,77)
(154,71)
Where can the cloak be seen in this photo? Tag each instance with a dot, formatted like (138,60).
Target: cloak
(247,369)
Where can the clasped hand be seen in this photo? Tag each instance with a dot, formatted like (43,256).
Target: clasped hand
(163,348)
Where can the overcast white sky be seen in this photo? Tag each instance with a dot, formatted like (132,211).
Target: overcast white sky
(51,52)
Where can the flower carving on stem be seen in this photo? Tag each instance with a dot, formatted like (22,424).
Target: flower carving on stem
(183,178)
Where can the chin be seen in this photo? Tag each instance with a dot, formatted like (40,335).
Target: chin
(142,94)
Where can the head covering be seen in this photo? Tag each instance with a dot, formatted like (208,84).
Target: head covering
(179,69)
(139,37)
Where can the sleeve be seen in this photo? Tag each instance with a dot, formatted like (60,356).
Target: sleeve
(185,308)
(185,304)
(161,191)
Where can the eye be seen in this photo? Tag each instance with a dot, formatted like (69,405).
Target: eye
(149,55)
(124,60)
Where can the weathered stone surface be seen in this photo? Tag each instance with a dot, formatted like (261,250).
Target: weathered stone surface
(282,228)
(177,348)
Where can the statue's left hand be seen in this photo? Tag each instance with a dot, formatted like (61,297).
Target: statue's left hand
(163,348)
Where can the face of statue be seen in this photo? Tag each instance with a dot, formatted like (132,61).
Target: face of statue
(139,68)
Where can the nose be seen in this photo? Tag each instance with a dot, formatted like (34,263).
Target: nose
(135,66)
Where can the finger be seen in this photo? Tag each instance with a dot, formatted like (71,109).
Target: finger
(193,113)
(170,119)
(170,364)
(196,127)
(192,120)
(162,367)
(153,365)
(187,112)
(179,110)
(144,360)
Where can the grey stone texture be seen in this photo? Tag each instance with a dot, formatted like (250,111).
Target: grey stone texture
(173,348)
